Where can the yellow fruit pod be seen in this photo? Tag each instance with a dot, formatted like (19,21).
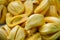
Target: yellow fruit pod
(34,20)
(3,34)
(52,20)
(16,7)
(42,7)
(49,28)
(17,33)
(28,7)
(12,21)
(44,11)
(8,18)
(3,12)
(3,2)
(1,7)
(36,36)
(54,36)
(21,34)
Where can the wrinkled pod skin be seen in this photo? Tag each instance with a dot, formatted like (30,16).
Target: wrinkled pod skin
(34,21)
(16,7)
(28,7)
(15,20)
(4,32)
(42,7)
(52,20)
(17,33)
(3,12)
(55,36)
(49,28)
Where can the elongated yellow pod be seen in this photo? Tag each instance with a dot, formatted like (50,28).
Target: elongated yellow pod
(43,5)
(44,11)
(1,7)
(53,11)
(52,20)
(3,14)
(8,18)
(36,36)
(34,21)
(55,36)
(28,7)
(49,28)
(15,20)
(16,7)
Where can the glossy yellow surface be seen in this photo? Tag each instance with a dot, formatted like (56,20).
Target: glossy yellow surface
(29,19)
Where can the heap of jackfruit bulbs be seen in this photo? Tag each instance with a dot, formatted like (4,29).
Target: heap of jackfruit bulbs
(29,19)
